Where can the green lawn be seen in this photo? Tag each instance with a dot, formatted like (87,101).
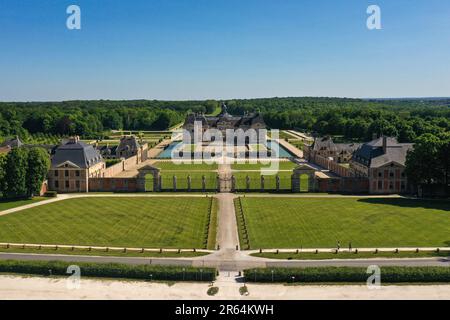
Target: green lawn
(171,166)
(282,165)
(269,180)
(182,171)
(321,222)
(348,255)
(182,180)
(132,222)
(9,204)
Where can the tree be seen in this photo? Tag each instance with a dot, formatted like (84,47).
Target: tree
(16,170)
(2,173)
(38,166)
(422,163)
(444,159)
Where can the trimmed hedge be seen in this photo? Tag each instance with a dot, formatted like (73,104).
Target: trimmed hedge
(348,274)
(109,270)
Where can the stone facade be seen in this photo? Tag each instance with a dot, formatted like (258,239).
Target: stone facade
(223,122)
(382,161)
(72,165)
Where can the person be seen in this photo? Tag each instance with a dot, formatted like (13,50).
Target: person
(338,245)
(350,246)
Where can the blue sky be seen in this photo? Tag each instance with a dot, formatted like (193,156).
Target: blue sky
(197,49)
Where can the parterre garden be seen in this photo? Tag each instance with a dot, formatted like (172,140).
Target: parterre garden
(323,222)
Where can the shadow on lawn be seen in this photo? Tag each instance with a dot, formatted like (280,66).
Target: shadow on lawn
(410,203)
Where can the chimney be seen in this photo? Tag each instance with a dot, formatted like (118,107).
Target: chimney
(384,144)
(74,139)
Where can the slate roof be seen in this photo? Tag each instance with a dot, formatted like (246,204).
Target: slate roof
(324,143)
(128,143)
(371,154)
(348,147)
(328,144)
(107,150)
(224,118)
(79,153)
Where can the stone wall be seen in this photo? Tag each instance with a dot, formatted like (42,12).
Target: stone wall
(313,157)
(127,163)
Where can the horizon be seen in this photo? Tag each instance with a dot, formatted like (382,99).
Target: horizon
(181,51)
(227,99)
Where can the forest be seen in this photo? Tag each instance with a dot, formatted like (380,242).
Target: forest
(352,119)
(345,119)
(90,119)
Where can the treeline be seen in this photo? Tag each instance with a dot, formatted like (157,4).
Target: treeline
(429,162)
(22,172)
(351,119)
(354,119)
(91,118)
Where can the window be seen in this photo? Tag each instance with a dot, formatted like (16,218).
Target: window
(403,186)
(391,186)
(77,173)
(56,173)
(391,174)
(77,184)
(379,174)
(403,174)
(66,173)
(67,184)
(56,184)
(380,185)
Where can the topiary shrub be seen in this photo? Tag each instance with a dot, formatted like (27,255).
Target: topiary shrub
(212,291)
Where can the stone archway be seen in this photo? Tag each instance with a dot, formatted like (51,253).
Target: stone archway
(304,169)
(141,178)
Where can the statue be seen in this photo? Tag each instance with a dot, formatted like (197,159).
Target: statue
(224,108)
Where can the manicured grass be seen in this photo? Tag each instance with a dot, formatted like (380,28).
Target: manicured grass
(123,222)
(255,180)
(348,255)
(170,169)
(269,180)
(9,204)
(182,180)
(171,166)
(212,236)
(322,222)
(282,165)
(97,252)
